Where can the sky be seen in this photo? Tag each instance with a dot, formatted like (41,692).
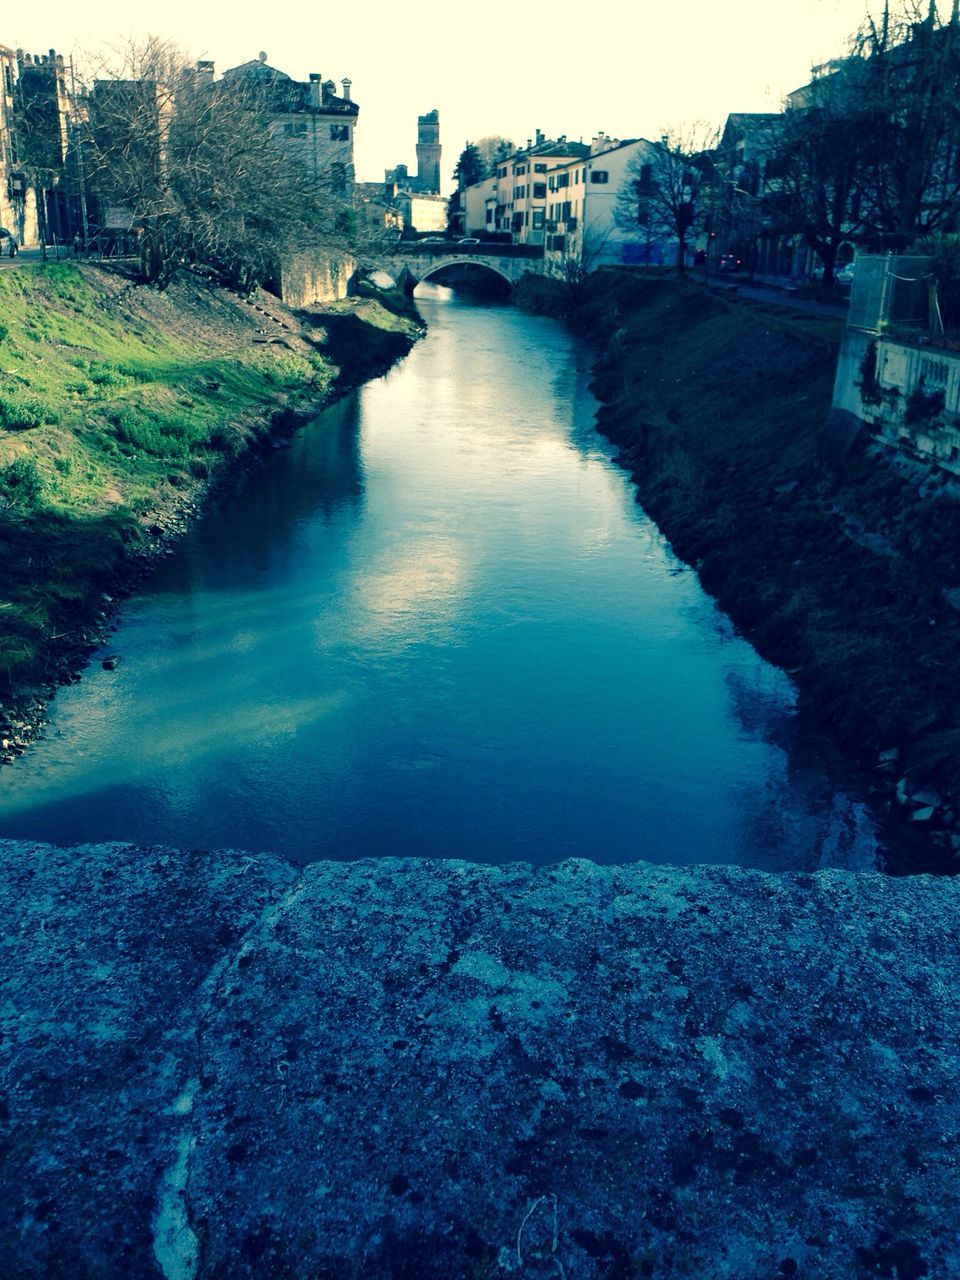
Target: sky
(626,69)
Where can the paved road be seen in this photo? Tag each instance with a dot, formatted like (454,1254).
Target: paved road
(775,295)
(33,255)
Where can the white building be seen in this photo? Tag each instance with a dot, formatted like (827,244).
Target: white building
(582,198)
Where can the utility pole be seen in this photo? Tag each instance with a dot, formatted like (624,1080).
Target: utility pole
(78,152)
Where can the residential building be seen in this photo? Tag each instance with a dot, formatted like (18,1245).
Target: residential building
(513,199)
(479,205)
(310,121)
(422,211)
(521,194)
(584,225)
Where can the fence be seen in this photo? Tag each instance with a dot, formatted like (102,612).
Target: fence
(891,292)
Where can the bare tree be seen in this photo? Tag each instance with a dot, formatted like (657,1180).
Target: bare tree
(820,166)
(668,189)
(193,166)
(905,79)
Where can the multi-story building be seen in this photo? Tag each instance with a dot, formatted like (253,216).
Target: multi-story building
(35,134)
(513,198)
(312,124)
(585,227)
(522,189)
(478,203)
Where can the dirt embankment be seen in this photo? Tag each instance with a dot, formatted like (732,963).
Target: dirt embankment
(121,409)
(844,576)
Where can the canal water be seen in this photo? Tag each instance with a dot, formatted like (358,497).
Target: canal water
(438,624)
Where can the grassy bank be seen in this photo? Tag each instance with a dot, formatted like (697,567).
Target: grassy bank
(837,574)
(119,408)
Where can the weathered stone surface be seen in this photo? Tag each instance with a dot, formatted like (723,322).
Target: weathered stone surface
(224,1066)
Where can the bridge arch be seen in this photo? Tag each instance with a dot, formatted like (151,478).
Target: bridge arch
(442,265)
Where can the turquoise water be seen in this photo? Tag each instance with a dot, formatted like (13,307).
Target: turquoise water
(439,624)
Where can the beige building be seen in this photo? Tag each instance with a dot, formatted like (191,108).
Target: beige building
(522,186)
(310,121)
(422,212)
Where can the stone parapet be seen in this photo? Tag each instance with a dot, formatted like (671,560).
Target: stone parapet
(221,1064)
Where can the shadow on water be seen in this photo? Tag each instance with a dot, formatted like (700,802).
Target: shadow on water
(253,529)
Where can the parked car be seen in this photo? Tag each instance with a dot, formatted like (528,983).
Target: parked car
(841,275)
(432,240)
(468,240)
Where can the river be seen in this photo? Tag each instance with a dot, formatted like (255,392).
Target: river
(439,624)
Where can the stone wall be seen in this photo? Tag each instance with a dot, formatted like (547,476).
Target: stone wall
(316,276)
(219,1064)
(906,392)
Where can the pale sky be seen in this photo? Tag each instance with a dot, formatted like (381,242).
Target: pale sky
(626,69)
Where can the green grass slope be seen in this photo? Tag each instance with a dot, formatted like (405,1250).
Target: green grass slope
(118,407)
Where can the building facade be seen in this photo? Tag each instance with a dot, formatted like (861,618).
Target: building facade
(310,122)
(35,147)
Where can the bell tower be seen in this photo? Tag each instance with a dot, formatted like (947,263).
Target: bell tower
(428,152)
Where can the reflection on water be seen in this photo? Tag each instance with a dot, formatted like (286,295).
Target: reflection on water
(438,624)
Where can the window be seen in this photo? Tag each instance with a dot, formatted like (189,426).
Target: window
(538,219)
(539,191)
(338,132)
(557,243)
(295,129)
(502,171)
(552,183)
(518,221)
(565,211)
(644,183)
(599,175)
(563,179)
(489,216)
(539,168)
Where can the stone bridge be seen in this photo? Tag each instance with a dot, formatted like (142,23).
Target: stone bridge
(315,275)
(411,261)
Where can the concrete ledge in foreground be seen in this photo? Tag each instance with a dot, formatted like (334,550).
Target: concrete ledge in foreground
(218,1065)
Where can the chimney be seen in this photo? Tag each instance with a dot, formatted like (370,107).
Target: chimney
(346,89)
(315,90)
(539,137)
(205,72)
(329,89)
